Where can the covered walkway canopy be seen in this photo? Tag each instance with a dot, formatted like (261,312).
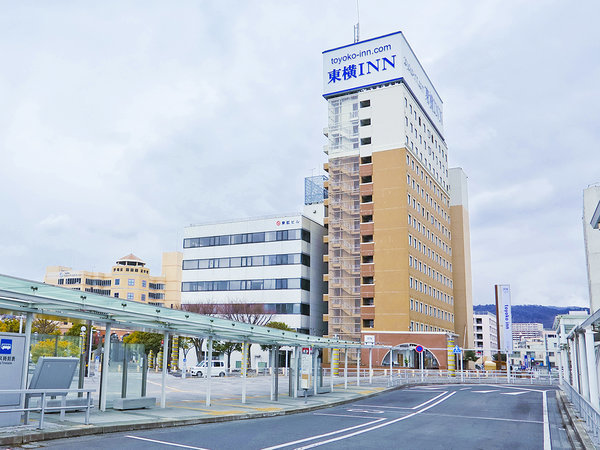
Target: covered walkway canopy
(25,296)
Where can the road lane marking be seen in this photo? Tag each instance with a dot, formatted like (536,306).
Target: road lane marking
(345,415)
(485,392)
(405,407)
(366,411)
(390,422)
(287,444)
(547,445)
(513,393)
(501,419)
(172,444)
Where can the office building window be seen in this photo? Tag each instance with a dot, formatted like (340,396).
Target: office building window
(247,238)
(246,285)
(131,282)
(143,283)
(130,296)
(117,281)
(143,297)
(116,295)
(248,261)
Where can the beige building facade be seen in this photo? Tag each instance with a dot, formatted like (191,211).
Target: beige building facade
(129,279)
(397,216)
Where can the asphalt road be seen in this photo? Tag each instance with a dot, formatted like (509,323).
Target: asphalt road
(428,417)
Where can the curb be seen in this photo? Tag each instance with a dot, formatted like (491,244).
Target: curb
(576,433)
(87,430)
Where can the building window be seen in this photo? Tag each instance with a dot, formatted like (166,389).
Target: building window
(365,141)
(246,285)
(143,283)
(365,103)
(130,296)
(143,297)
(116,295)
(61,281)
(365,122)
(368,301)
(368,323)
(117,281)
(131,282)
(248,238)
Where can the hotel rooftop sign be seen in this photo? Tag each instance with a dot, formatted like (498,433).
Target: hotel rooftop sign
(377,61)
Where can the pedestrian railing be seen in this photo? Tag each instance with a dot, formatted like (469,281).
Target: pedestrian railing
(43,406)
(586,411)
(399,376)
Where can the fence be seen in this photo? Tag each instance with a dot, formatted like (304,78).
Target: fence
(587,412)
(44,408)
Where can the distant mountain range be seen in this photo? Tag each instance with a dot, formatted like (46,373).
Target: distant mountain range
(532,313)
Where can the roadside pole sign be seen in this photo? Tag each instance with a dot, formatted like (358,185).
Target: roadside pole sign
(419,349)
(503,308)
(457,350)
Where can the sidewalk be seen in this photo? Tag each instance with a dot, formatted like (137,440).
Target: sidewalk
(182,411)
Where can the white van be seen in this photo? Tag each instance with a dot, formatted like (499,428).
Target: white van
(218,369)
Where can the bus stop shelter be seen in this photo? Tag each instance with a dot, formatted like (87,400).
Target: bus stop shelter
(26,297)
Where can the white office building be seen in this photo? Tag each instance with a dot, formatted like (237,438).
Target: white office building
(275,262)
(485,332)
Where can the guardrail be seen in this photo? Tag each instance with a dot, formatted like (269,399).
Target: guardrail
(44,408)
(412,376)
(585,409)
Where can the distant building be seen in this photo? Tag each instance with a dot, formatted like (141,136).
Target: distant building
(538,352)
(527,331)
(129,279)
(485,332)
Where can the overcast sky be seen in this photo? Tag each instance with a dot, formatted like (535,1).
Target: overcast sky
(122,123)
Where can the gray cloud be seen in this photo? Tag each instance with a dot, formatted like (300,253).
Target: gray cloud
(121,124)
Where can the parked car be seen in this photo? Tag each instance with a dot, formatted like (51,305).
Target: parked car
(218,369)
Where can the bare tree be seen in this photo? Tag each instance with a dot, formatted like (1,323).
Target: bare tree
(236,310)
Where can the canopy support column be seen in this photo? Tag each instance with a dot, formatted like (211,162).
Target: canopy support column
(358,351)
(244,369)
(28,323)
(370,366)
(105,358)
(346,368)
(209,370)
(163,382)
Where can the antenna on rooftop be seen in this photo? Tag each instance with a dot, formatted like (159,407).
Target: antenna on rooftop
(357,26)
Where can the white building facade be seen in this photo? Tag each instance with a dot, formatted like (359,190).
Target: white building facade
(275,262)
(591,235)
(485,332)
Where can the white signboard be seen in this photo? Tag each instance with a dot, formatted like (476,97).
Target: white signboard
(370,339)
(505,319)
(376,61)
(12,360)
(306,368)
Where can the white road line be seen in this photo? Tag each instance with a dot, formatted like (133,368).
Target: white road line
(339,438)
(404,407)
(485,392)
(322,435)
(172,444)
(513,393)
(501,419)
(345,415)
(547,445)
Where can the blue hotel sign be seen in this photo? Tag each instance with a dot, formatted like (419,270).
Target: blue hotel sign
(377,61)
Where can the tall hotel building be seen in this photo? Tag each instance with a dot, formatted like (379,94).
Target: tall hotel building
(397,216)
